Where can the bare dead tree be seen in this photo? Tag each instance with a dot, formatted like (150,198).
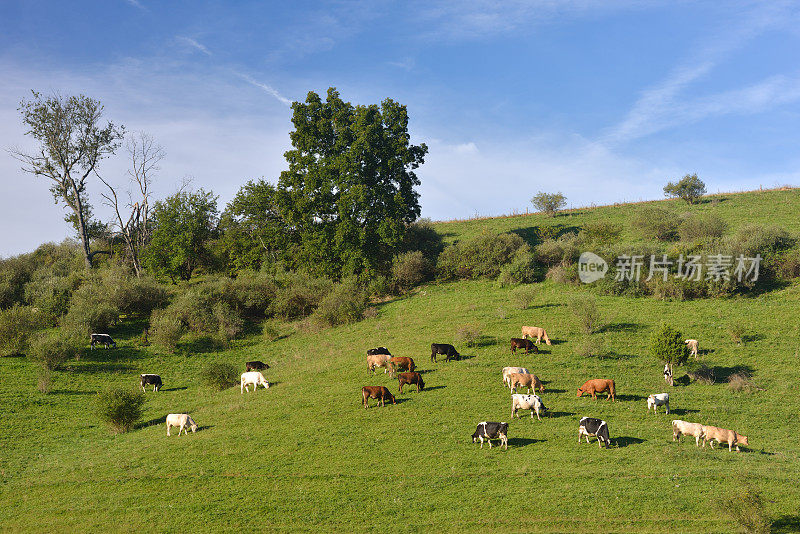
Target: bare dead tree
(145,156)
(72,143)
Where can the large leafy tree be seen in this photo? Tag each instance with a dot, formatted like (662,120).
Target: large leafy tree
(690,188)
(183,225)
(349,192)
(72,142)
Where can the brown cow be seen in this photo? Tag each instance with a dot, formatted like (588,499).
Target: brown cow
(518,380)
(535,332)
(521,343)
(598,385)
(376,392)
(401,362)
(414,379)
(722,435)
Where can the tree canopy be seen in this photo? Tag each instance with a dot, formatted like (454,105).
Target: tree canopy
(689,188)
(349,191)
(549,203)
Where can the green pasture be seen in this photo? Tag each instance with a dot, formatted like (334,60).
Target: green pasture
(306,456)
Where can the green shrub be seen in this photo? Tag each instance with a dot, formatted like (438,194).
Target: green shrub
(656,223)
(378,286)
(166,329)
(51,351)
(120,407)
(138,296)
(421,235)
(251,293)
(521,270)
(787,264)
(603,232)
(344,304)
(51,294)
(522,297)
(562,251)
(219,375)
(689,188)
(737,331)
(480,257)
(230,324)
(746,507)
(699,227)
(270,331)
(584,307)
(742,383)
(89,312)
(550,203)
(298,294)
(590,346)
(44,380)
(467,334)
(17,324)
(14,273)
(562,275)
(667,345)
(410,269)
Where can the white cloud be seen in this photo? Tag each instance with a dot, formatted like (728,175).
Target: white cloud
(266,87)
(194,44)
(137,4)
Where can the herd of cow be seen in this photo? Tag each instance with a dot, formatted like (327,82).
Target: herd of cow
(519,377)
(513,377)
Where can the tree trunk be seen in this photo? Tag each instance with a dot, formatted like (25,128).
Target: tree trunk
(78,209)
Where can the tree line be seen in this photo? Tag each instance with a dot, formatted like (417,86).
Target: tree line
(342,207)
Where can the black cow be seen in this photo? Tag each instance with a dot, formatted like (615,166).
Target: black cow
(256,366)
(590,426)
(378,350)
(150,380)
(489,431)
(103,339)
(443,348)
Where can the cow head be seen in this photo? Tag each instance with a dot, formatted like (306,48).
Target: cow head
(194,427)
(391,398)
(421,383)
(580,392)
(741,440)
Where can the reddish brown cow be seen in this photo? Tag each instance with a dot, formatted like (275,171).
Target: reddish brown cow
(376,392)
(520,343)
(400,363)
(598,385)
(415,379)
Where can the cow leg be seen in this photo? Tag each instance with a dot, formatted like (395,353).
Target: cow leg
(168,429)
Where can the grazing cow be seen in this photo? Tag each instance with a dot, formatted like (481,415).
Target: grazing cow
(378,360)
(722,435)
(692,345)
(378,350)
(590,426)
(255,378)
(444,348)
(255,366)
(150,380)
(509,370)
(667,374)
(519,380)
(181,420)
(527,402)
(103,339)
(489,431)
(377,392)
(656,400)
(522,343)
(414,379)
(535,332)
(398,363)
(683,428)
(598,385)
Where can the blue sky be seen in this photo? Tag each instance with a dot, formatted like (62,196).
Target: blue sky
(605,101)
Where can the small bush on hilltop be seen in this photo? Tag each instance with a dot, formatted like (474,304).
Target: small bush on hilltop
(584,307)
(699,227)
(120,407)
(521,270)
(550,203)
(467,334)
(298,294)
(480,257)
(522,297)
(166,329)
(219,375)
(603,232)
(689,188)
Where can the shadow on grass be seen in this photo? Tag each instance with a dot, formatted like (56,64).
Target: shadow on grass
(621,327)
(611,355)
(152,422)
(682,411)
(174,389)
(204,427)
(70,392)
(722,374)
(522,442)
(110,355)
(434,388)
(624,441)
(560,414)
(785,524)
(202,344)
(100,367)
(548,390)
(631,397)
(548,305)
(425,371)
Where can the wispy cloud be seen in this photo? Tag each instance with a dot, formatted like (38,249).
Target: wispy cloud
(137,4)
(406,64)
(194,44)
(266,87)
(659,107)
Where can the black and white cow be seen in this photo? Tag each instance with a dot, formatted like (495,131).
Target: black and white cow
(103,339)
(590,426)
(378,350)
(449,351)
(489,431)
(150,380)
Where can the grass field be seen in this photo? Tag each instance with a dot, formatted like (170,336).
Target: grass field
(305,455)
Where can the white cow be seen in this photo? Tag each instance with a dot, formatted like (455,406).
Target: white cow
(692,345)
(656,400)
(509,370)
(527,402)
(255,378)
(181,420)
(680,428)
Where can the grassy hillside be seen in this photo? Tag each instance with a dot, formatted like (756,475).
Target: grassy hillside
(305,455)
